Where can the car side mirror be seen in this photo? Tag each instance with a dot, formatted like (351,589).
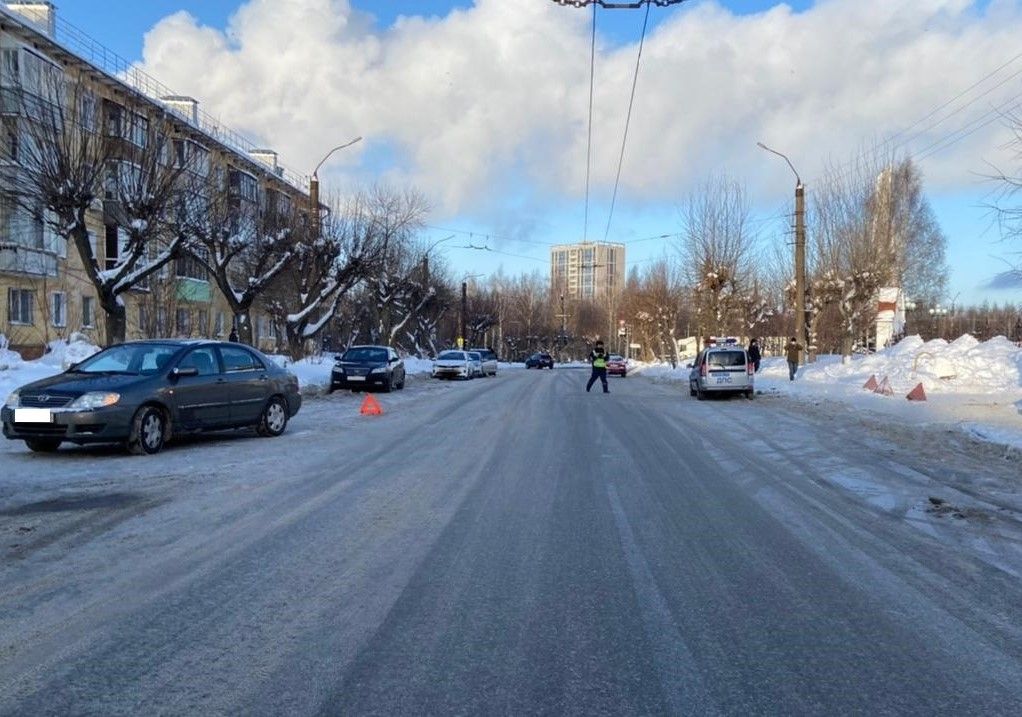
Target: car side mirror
(179,371)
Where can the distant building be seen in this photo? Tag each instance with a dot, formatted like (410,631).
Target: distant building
(589,270)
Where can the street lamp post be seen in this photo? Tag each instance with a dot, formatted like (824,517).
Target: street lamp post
(800,256)
(314,184)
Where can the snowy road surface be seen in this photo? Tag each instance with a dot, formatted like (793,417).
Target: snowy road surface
(514,545)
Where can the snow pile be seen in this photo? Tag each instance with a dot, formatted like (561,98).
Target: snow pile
(61,354)
(8,358)
(965,366)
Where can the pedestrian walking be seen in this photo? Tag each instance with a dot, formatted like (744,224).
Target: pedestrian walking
(233,335)
(792,350)
(598,359)
(754,355)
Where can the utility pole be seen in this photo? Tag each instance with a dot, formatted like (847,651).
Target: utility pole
(801,329)
(464,313)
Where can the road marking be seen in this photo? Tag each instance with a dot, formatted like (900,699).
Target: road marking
(682,684)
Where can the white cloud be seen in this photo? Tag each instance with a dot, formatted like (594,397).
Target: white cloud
(492,101)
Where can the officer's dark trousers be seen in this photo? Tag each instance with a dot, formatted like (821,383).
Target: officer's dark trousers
(598,373)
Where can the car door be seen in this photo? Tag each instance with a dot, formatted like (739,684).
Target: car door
(204,400)
(397,375)
(248,384)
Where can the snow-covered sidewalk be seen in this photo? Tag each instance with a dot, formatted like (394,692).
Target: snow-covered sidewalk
(973,386)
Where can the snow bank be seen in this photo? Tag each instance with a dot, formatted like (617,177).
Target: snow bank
(975,386)
(61,354)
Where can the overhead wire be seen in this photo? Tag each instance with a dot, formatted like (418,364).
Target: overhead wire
(589,143)
(628,120)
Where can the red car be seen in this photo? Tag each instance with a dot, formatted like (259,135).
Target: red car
(617,366)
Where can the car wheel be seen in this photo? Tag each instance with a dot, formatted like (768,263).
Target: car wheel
(148,430)
(700,394)
(402,384)
(691,390)
(42,445)
(273,420)
(386,385)
(750,394)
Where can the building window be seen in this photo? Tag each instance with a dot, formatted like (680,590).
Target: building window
(124,124)
(243,185)
(202,322)
(89,312)
(184,322)
(9,144)
(190,267)
(58,309)
(218,327)
(116,246)
(19,306)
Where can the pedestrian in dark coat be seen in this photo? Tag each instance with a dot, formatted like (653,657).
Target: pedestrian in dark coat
(754,355)
(233,335)
(792,350)
(598,359)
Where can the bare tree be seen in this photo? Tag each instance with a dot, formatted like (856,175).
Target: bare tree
(871,228)
(716,250)
(243,249)
(73,153)
(334,256)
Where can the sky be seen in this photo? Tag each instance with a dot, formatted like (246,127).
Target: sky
(483,106)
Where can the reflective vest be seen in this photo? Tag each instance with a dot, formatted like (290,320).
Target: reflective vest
(599,360)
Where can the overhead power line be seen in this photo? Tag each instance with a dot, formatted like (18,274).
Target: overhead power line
(628,121)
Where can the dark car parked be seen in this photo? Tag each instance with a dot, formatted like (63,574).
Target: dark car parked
(362,367)
(143,392)
(540,360)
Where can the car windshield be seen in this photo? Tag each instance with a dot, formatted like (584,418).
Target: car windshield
(451,356)
(725,359)
(130,359)
(615,357)
(365,353)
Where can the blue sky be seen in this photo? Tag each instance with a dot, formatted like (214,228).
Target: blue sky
(516,207)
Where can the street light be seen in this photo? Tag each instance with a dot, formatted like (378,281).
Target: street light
(314,182)
(800,254)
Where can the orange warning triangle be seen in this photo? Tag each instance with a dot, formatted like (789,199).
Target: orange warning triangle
(371,407)
(884,388)
(871,384)
(917,393)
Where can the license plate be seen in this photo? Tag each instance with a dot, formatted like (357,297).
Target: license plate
(723,379)
(33,415)
(356,378)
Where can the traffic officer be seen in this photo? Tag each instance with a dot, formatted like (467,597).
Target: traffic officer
(598,359)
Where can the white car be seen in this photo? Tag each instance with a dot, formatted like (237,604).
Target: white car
(477,363)
(454,364)
(489,361)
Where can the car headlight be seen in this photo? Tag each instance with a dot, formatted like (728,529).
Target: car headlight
(379,369)
(14,400)
(95,399)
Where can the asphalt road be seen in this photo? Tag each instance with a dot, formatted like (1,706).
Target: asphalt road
(516,546)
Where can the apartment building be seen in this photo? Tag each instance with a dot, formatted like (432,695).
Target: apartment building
(593,271)
(45,292)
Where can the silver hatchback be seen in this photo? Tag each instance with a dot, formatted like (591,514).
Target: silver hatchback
(721,369)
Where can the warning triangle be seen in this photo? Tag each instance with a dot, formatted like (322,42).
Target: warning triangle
(871,384)
(917,393)
(371,407)
(884,388)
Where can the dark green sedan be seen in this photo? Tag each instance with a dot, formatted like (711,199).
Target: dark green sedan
(143,392)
